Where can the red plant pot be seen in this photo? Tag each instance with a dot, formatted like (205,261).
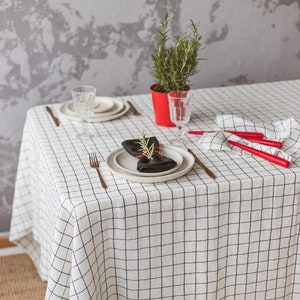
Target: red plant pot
(161,108)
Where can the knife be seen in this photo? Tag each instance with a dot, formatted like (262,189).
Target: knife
(135,112)
(206,170)
(255,137)
(242,134)
(265,155)
(49,110)
(265,142)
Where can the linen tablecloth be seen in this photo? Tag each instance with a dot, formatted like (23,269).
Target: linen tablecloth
(236,237)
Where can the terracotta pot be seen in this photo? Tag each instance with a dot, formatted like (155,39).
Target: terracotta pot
(161,108)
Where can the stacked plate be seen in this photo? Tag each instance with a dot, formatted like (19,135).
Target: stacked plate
(105,109)
(124,165)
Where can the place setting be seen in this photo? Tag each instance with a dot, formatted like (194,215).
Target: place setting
(145,160)
(85,104)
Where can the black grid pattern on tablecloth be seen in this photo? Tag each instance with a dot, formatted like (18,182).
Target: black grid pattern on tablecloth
(191,238)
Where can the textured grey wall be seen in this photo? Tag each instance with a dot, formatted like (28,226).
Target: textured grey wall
(46,47)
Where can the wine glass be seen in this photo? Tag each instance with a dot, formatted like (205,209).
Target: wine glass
(180,104)
(83,97)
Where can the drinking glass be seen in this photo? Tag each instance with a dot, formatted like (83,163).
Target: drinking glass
(83,97)
(180,104)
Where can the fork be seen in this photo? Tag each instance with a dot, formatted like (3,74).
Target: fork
(94,163)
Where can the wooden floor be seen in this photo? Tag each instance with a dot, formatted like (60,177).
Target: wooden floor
(5,243)
(7,248)
(19,279)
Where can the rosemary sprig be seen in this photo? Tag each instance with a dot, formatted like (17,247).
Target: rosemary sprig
(146,149)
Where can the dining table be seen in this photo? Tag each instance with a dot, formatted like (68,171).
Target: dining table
(183,235)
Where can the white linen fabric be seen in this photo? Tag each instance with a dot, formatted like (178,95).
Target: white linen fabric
(236,237)
(285,131)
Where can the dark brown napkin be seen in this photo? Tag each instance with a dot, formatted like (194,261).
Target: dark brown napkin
(158,163)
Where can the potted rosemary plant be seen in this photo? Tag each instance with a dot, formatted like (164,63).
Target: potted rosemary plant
(172,67)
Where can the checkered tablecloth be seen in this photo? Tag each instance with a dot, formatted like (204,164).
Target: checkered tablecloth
(236,237)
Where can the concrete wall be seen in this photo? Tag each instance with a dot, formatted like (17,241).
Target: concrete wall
(47,47)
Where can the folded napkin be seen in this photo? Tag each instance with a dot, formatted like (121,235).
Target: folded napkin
(286,131)
(158,162)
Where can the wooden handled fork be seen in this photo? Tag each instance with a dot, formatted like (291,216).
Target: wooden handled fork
(94,163)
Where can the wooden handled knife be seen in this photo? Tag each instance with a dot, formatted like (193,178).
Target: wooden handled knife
(55,119)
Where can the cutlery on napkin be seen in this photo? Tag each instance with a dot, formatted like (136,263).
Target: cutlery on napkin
(287,132)
(55,119)
(223,141)
(157,163)
(206,170)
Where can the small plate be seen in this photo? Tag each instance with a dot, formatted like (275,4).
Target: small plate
(128,163)
(185,167)
(102,107)
(119,109)
(102,104)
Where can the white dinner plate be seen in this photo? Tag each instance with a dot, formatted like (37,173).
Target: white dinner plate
(185,167)
(128,163)
(119,109)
